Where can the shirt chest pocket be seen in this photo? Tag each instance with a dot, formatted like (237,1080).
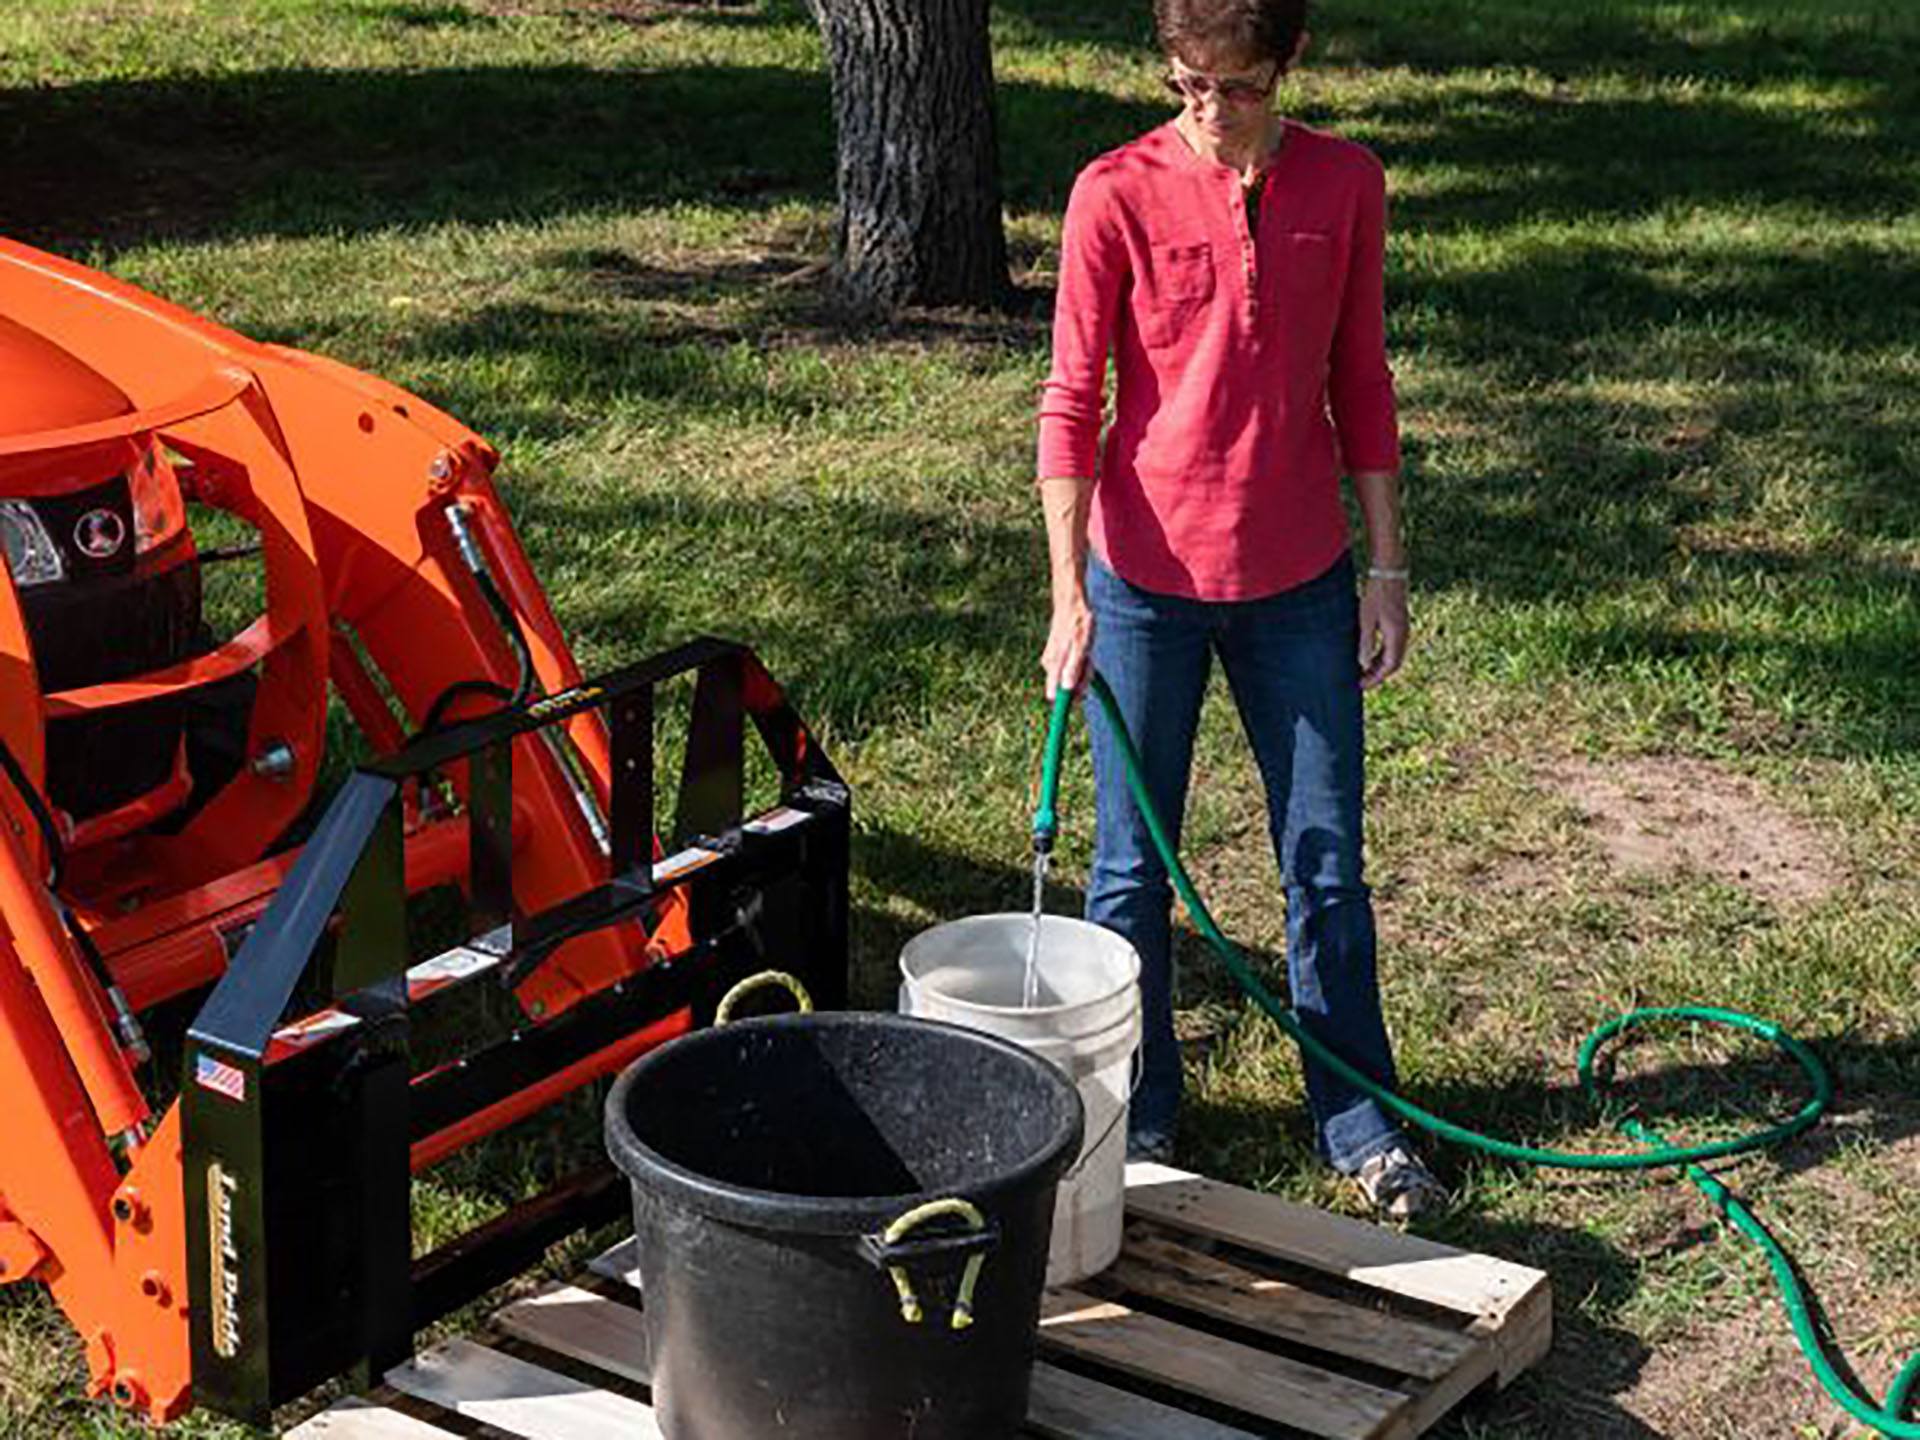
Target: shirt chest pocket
(1302,261)
(1300,287)
(1178,291)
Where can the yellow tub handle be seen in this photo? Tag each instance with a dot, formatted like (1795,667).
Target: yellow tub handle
(899,1230)
(723,1012)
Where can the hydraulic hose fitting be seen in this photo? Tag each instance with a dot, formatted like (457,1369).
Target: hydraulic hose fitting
(471,555)
(474,557)
(133,1040)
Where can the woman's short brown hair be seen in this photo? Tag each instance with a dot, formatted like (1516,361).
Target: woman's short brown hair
(1264,31)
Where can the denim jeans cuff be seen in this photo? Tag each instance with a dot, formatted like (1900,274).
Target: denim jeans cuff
(1356,1135)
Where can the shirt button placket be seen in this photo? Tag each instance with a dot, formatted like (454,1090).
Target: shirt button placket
(1249,260)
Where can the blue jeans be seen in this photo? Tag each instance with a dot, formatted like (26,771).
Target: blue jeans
(1291,663)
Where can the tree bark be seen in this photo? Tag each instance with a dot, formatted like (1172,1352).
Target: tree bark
(918,149)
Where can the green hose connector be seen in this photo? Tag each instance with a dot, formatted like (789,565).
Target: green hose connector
(1889,1419)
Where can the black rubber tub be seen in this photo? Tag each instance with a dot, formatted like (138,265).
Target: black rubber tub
(769,1159)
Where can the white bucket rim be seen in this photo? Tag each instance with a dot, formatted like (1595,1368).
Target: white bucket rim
(1133,965)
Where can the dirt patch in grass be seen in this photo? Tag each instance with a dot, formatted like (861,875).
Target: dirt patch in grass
(1727,1365)
(622,12)
(1738,1378)
(1744,1376)
(1660,814)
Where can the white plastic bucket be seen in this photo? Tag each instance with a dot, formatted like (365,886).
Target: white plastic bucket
(972,972)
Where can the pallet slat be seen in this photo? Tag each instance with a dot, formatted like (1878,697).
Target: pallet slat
(1388,1260)
(1509,1303)
(1066,1406)
(364,1420)
(583,1326)
(621,1263)
(522,1399)
(1224,1372)
(1163,1270)
(1453,1364)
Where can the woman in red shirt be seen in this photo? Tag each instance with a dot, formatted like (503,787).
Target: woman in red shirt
(1230,262)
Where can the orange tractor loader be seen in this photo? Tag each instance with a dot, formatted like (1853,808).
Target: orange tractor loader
(221,1060)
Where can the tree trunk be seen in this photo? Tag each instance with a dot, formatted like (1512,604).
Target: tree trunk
(919,163)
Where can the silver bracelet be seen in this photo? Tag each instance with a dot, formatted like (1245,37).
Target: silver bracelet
(1382,572)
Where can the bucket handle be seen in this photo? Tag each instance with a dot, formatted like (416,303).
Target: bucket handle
(1133,1088)
(892,1250)
(723,1012)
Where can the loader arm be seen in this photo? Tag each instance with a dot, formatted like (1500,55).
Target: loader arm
(240,1232)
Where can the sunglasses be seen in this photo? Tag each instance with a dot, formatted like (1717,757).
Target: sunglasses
(1231,89)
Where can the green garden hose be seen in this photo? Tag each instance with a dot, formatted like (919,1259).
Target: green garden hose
(1888,1419)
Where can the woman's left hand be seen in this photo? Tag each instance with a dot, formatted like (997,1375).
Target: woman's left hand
(1383,629)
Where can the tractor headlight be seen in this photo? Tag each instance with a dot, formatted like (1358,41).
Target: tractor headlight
(31,556)
(159,512)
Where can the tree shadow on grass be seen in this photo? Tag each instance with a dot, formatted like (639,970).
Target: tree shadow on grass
(771,299)
(1604,483)
(304,152)
(873,614)
(1593,1359)
(1738,40)
(1617,393)
(587,14)
(1694,1102)
(1743,41)
(1504,153)
(1126,27)
(946,886)
(310,152)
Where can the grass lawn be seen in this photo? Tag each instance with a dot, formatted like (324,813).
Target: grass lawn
(1655,307)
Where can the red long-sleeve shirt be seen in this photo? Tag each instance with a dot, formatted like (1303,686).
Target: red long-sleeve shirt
(1251,362)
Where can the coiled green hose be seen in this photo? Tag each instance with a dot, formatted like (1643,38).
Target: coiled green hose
(1888,1419)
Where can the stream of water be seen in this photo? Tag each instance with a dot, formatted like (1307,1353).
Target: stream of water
(1030,992)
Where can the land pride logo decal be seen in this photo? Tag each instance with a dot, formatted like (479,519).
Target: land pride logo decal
(225,1260)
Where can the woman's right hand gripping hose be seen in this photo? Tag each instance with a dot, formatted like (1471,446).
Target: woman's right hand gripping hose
(1069,643)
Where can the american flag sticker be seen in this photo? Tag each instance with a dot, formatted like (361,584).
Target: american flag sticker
(220,1077)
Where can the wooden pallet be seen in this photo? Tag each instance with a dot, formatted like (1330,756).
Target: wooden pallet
(1230,1315)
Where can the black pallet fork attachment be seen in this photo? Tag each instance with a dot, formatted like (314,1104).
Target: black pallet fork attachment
(297,1137)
